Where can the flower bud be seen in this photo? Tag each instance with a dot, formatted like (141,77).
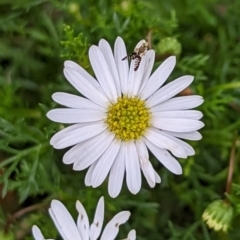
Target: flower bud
(218,215)
(169,46)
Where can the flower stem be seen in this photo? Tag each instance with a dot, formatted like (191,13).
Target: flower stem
(231,165)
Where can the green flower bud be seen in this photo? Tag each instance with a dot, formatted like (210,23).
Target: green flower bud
(170,46)
(74,9)
(218,215)
(126,5)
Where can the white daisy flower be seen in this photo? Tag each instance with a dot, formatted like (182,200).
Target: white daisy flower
(69,230)
(125,113)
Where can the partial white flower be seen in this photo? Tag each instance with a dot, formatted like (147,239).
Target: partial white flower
(82,230)
(124,114)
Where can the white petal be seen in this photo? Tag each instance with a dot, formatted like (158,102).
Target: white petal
(158,77)
(179,103)
(157,177)
(93,152)
(73,101)
(169,90)
(117,174)
(165,158)
(82,221)
(105,163)
(58,226)
(72,65)
(135,77)
(112,228)
(131,235)
(160,140)
(85,87)
(145,164)
(150,57)
(72,155)
(188,149)
(177,124)
(188,114)
(102,72)
(88,177)
(37,234)
(66,130)
(122,66)
(69,115)
(138,76)
(108,55)
(133,173)
(73,136)
(96,226)
(91,146)
(194,136)
(64,221)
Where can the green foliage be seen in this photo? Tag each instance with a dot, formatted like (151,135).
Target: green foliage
(38,35)
(5,236)
(75,48)
(24,147)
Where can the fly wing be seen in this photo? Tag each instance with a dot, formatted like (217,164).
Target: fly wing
(130,56)
(127,57)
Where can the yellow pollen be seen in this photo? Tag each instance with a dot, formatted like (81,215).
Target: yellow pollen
(128,118)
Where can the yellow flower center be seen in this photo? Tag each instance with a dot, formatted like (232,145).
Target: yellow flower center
(128,118)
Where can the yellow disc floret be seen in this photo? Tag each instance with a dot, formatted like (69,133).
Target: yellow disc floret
(128,118)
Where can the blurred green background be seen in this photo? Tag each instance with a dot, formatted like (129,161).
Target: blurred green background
(36,36)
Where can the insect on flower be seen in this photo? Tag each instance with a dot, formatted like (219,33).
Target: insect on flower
(137,54)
